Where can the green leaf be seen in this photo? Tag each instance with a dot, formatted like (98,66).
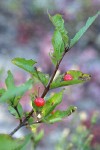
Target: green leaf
(58,45)
(52,103)
(80,33)
(31,120)
(39,136)
(60,38)
(24,64)
(8,143)
(43,78)
(2,91)
(16,91)
(53,58)
(20,109)
(28,66)
(59,115)
(58,22)
(94,118)
(78,77)
(13,112)
(16,99)
(10,80)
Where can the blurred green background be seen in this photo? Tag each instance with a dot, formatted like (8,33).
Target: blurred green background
(26,31)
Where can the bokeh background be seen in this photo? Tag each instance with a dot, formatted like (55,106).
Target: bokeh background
(26,31)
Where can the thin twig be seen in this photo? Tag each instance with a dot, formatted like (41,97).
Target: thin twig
(36,122)
(16,129)
(22,123)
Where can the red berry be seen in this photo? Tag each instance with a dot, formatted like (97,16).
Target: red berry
(68,77)
(39,102)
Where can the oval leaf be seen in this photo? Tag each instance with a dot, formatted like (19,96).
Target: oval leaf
(10,80)
(50,105)
(8,143)
(78,77)
(43,78)
(80,33)
(59,115)
(19,113)
(58,45)
(28,66)
(24,64)
(2,91)
(16,91)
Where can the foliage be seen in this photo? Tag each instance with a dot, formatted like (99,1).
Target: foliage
(80,138)
(7,142)
(13,94)
(80,33)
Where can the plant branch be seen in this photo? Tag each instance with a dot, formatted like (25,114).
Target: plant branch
(16,129)
(24,122)
(53,75)
(36,122)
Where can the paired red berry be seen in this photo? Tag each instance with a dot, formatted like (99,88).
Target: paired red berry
(39,102)
(67,77)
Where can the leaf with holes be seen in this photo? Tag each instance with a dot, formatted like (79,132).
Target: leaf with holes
(59,115)
(50,104)
(60,38)
(78,77)
(24,64)
(58,22)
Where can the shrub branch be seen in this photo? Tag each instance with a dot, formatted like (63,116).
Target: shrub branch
(24,122)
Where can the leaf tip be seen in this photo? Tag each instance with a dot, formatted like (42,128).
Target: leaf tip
(75,108)
(13,60)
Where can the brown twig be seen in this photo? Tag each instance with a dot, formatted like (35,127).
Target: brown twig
(22,123)
(53,75)
(16,129)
